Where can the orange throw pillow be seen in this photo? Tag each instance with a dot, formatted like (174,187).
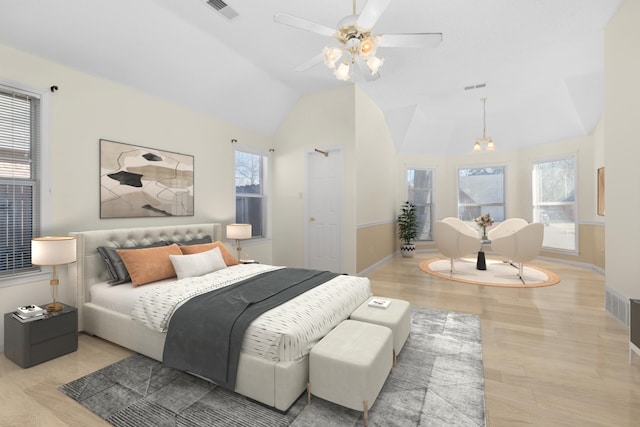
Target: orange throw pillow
(226,255)
(149,264)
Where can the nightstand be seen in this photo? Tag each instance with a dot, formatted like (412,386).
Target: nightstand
(30,343)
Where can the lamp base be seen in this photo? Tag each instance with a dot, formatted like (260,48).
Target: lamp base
(53,307)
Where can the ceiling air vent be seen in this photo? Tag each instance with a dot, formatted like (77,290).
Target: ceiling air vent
(478,86)
(223,8)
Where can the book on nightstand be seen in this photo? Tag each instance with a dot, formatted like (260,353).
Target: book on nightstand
(25,319)
(379,303)
(29,313)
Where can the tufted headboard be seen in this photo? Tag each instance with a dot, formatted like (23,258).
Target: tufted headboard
(90,269)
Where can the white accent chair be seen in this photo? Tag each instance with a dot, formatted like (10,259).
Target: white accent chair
(521,246)
(461,225)
(506,227)
(455,241)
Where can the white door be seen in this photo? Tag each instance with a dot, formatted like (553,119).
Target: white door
(323,232)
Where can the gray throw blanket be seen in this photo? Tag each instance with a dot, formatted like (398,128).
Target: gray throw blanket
(205,334)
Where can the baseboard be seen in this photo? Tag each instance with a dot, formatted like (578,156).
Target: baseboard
(574,263)
(616,305)
(374,266)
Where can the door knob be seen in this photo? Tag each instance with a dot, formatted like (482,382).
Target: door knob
(313,218)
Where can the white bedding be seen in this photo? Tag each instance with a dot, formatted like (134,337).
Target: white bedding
(285,333)
(121,298)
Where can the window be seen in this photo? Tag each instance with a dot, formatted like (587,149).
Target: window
(554,202)
(420,192)
(19,189)
(251,172)
(481,191)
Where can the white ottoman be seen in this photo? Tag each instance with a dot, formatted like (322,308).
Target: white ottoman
(397,317)
(350,365)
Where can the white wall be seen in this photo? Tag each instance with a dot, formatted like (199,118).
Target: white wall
(622,149)
(87,108)
(344,117)
(319,120)
(376,171)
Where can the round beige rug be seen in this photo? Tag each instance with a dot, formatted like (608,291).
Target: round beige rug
(498,273)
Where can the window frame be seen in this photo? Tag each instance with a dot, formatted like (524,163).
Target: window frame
(432,204)
(264,155)
(534,205)
(42,201)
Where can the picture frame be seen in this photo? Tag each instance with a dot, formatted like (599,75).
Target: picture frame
(600,191)
(137,181)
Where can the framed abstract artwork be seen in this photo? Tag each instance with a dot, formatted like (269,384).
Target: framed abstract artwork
(144,182)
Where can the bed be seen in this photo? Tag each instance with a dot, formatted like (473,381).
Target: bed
(275,379)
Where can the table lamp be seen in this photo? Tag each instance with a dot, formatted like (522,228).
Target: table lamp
(238,232)
(53,251)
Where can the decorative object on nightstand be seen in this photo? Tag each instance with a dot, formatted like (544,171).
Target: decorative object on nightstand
(53,251)
(28,342)
(28,311)
(238,232)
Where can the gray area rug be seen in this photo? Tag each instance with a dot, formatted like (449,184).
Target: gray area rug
(439,381)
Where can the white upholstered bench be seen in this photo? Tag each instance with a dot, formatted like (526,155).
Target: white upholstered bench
(397,317)
(350,365)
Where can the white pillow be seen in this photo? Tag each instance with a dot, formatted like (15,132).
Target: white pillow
(197,264)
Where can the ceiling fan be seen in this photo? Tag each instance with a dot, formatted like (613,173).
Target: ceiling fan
(357,44)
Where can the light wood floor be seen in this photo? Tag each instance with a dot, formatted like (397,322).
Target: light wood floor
(552,356)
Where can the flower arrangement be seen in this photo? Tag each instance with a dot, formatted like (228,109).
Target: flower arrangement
(483,222)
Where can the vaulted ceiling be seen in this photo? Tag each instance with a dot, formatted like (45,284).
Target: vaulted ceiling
(539,63)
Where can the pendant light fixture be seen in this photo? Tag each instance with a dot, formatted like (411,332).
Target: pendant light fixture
(485,143)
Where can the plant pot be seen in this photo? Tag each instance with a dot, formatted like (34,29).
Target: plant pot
(408,251)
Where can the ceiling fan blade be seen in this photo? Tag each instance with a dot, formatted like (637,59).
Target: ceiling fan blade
(371,13)
(294,21)
(310,62)
(410,40)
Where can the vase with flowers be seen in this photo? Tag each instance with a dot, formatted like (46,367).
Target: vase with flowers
(483,222)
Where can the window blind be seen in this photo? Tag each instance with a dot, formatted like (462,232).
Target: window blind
(19,192)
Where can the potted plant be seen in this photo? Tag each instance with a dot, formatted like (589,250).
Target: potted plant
(408,229)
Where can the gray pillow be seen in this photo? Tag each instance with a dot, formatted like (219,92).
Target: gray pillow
(114,264)
(205,239)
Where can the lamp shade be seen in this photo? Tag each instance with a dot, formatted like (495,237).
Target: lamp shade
(53,250)
(239,231)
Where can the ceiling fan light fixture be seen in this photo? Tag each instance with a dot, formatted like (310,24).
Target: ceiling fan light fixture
(368,47)
(374,63)
(477,147)
(343,72)
(357,44)
(331,56)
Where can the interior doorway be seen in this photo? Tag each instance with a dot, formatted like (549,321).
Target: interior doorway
(323,231)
